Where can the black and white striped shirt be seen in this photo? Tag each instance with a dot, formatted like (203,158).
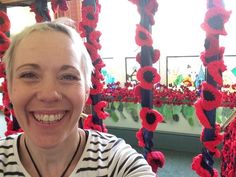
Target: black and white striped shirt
(104,155)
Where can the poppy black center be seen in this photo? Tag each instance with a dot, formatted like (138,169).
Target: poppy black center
(142,36)
(2,40)
(216,22)
(151,118)
(148,76)
(90,16)
(208,95)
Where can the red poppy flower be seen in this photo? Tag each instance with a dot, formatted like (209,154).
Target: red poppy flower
(148,76)
(139,136)
(196,166)
(4,42)
(40,17)
(89,124)
(98,63)
(150,118)
(94,39)
(89,16)
(97,74)
(156,56)
(62,4)
(215,68)
(143,36)
(210,55)
(150,9)
(201,115)
(5,23)
(215,19)
(210,97)
(92,51)
(99,109)
(97,87)
(155,159)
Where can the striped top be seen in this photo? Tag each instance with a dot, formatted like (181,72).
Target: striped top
(104,155)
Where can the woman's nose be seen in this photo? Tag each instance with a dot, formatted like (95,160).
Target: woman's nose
(49,92)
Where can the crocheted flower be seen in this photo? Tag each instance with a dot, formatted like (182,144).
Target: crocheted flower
(143,36)
(155,159)
(4,42)
(150,118)
(156,55)
(4,22)
(214,21)
(90,16)
(211,55)
(215,68)
(62,4)
(94,39)
(41,11)
(150,9)
(210,97)
(97,87)
(201,115)
(89,124)
(202,172)
(139,136)
(92,51)
(148,76)
(99,109)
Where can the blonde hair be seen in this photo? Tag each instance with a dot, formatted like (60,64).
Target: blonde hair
(60,26)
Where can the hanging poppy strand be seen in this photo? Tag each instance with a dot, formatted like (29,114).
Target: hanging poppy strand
(210,96)
(148,77)
(11,122)
(87,27)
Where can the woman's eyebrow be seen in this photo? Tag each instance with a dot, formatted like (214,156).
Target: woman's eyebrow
(31,65)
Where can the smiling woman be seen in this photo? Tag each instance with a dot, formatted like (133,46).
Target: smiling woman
(49,72)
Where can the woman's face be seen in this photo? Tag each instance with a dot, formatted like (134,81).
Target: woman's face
(47,89)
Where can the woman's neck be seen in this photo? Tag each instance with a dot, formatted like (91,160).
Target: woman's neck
(52,160)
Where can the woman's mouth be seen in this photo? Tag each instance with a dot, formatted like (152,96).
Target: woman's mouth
(48,118)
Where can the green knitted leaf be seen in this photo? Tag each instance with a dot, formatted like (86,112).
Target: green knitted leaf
(191,121)
(177,109)
(188,111)
(167,111)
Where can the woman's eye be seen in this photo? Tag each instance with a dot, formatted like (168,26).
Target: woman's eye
(28,75)
(70,77)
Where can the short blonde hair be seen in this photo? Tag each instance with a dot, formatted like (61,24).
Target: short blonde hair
(59,26)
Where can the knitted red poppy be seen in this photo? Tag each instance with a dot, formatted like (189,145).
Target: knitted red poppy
(94,39)
(5,23)
(92,51)
(148,76)
(4,42)
(155,159)
(143,36)
(62,4)
(90,16)
(150,9)
(202,172)
(210,97)
(99,109)
(215,19)
(150,118)
(215,68)
(139,136)
(201,115)
(97,87)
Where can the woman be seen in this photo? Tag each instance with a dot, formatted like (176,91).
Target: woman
(48,72)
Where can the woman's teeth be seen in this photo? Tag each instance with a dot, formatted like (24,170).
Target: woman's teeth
(47,118)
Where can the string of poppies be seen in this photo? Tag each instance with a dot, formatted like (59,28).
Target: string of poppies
(147,76)
(12,124)
(228,165)
(40,8)
(210,96)
(87,27)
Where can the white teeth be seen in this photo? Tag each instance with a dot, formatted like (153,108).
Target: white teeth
(47,118)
